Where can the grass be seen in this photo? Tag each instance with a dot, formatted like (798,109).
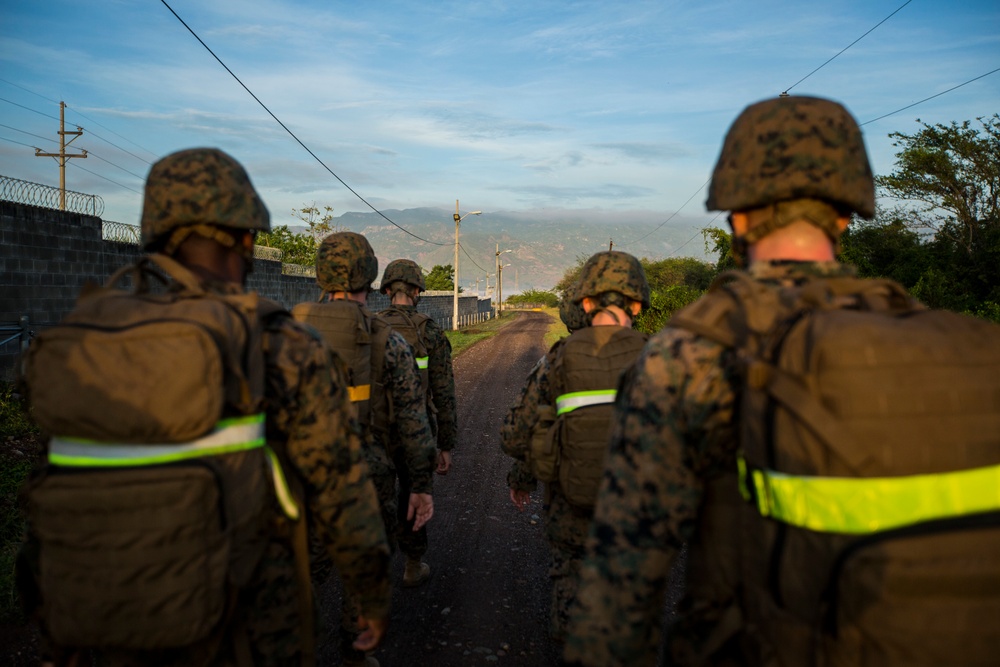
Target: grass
(18,454)
(463,339)
(556,330)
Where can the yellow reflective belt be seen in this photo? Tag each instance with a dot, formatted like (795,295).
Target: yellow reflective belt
(422,363)
(862,505)
(360,393)
(581,399)
(281,490)
(230,435)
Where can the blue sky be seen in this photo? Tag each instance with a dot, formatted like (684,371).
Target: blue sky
(616,109)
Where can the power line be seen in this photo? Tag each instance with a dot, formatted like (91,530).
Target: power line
(105,178)
(37,136)
(672,216)
(846,47)
(40,113)
(19,143)
(292,134)
(700,232)
(83,116)
(130,173)
(908,106)
(470,258)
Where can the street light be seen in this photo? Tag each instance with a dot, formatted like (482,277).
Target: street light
(458,219)
(499,283)
(500,268)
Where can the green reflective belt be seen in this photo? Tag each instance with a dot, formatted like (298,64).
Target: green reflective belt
(581,399)
(864,505)
(422,363)
(281,490)
(230,435)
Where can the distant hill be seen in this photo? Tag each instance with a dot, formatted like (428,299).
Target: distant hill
(543,244)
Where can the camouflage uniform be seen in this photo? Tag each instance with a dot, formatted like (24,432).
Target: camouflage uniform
(442,387)
(309,425)
(673,431)
(346,262)
(672,458)
(566,525)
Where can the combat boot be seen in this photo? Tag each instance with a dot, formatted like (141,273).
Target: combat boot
(415,572)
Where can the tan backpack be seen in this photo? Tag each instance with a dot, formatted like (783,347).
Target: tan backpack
(413,328)
(870,436)
(360,339)
(570,440)
(153,510)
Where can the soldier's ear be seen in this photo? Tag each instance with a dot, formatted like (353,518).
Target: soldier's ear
(634,308)
(842,223)
(739,221)
(588,304)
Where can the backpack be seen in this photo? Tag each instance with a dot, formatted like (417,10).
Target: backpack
(413,327)
(870,442)
(570,439)
(153,510)
(360,339)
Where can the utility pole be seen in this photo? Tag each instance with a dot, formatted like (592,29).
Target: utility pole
(62,155)
(454,317)
(611,245)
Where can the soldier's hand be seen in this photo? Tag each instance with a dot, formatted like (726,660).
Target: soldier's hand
(443,462)
(372,631)
(421,509)
(520,499)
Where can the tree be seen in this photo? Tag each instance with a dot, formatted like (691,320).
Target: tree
(720,242)
(947,180)
(535,297)
(296,247)
(441,278)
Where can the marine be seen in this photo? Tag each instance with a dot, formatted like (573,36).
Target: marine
(555,430)
(200,216)
(384,384)
(403,281)
(717,442)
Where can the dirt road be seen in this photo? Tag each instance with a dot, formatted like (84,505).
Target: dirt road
(488,598)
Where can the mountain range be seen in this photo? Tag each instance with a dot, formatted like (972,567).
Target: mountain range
(543,244)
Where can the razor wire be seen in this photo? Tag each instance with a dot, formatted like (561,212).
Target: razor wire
(35,194)
(119,232)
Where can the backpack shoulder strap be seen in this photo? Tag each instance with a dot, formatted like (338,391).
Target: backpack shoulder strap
(380,338)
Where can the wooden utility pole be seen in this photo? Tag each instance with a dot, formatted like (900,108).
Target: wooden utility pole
(62,155)
(611,245)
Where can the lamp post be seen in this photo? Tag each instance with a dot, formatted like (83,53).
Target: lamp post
(458,219)
(500,269)
(499,283)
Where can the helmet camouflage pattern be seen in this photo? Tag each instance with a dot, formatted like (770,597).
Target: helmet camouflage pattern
(793,148)
(405,270)
(613,271)
(345,262)
(199,186)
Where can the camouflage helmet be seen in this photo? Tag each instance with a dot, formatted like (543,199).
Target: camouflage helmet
(793,148)
(613,271)
(199,186)
(405,270)
(345,262)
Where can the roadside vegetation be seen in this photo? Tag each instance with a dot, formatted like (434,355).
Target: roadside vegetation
(20,452)
(462,339)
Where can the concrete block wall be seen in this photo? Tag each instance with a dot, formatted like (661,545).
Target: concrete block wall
(47,256)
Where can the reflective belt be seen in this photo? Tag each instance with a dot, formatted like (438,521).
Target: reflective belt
(281,490)
(581,399)
(863,505)
(422,363)
(230,435)
(360,393)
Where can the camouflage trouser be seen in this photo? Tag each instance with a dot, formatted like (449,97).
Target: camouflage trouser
(566,528)
(412,544)
(384,478)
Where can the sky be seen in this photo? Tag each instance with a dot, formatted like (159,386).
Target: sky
(613,109)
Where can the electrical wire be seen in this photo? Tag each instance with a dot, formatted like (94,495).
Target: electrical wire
(30,134)
(846,47)
(105,178)
(40,113)
(672,216)
(19,143)
(908,106)
(470,258)
(293,136)
(700,232)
